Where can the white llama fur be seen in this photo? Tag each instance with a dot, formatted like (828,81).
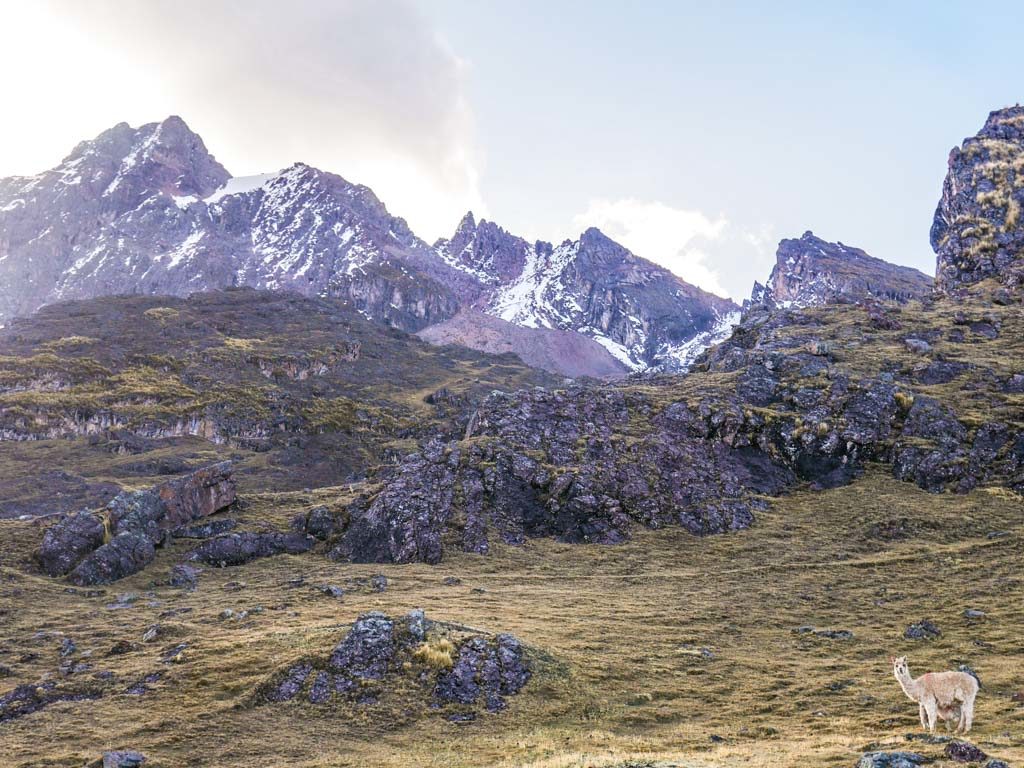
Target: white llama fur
(949,695)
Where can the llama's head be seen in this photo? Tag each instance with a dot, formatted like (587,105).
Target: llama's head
(899,666)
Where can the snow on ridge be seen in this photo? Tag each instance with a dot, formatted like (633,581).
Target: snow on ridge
(683,355)
(530,300)
(238,185)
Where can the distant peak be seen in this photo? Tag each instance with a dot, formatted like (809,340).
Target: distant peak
(467,224)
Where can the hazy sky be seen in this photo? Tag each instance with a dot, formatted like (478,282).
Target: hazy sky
(696,133)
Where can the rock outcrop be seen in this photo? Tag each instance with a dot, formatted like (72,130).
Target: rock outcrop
(445,667)
(136,522)
(810,271)
(240,548)
(978,232)
(556,464)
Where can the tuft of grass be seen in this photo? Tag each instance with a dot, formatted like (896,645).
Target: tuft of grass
(436,654)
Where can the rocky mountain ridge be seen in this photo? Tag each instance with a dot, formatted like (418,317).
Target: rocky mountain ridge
(809,271)
(150,210)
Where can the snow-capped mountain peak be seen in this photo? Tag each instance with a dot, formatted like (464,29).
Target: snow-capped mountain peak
(150,210)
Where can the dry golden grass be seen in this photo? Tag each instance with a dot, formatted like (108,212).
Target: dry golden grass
(625,624)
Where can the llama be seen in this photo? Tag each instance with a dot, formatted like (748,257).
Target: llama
(949,695)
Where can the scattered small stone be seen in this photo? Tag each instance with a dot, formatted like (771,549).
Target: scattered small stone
(1018,697)
(716,739)
(451,581)
(5,671)
(152,633)
(997,534)
(67,647)
(379,583)
(997,764)
(922,630)
(964,752)
(120,648)
(891,760)
(175,654)
(918,346)
(185,576)
(123,759)
(226,614)
(172,612)
(971,613)
(830,634)
(123,600)
(928,738)
(235,586)
(478,590)
(332,590)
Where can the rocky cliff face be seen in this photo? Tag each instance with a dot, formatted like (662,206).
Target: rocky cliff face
(978,232)
(810,271)
(149,210)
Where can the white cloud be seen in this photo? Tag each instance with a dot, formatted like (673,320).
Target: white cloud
(363,89)
(710,252)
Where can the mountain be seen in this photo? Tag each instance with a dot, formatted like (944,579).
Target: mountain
(644,315)
(149,210)
(977,232)
(810,271)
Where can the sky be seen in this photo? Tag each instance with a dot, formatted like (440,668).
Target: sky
(697,134)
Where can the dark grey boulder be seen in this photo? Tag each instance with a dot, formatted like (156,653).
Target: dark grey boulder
(204,530)
(68,541)
(891,760)
(964,752)
(922,630)
(185,576)
(123,555)
(367,650)
(128,758)
(240,548)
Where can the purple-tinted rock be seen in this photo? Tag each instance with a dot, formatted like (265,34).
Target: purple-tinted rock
(68,541)
(240,548)
(367,650)
(123,555)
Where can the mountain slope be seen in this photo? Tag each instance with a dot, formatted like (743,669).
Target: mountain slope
(302,391)
(150,210)
(550,349)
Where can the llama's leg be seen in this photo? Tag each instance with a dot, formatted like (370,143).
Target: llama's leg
(931,708)
(921,714)
(968,714)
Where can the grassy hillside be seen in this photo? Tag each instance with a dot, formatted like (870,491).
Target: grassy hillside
(669,649)
(661,644)
(301,392)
